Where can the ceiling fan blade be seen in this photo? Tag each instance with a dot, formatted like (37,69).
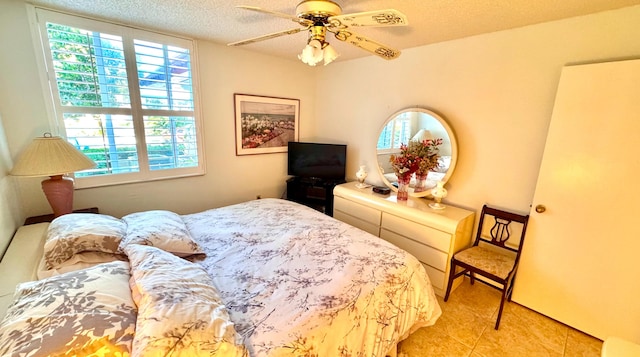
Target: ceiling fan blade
(268,36)
(368,44)
(301,21)
(388,17)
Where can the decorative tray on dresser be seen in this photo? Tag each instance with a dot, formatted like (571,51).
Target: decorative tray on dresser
(432,236)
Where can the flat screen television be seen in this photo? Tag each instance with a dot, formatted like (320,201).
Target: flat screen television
(316,160)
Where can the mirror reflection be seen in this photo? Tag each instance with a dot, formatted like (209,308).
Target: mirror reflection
(416,124)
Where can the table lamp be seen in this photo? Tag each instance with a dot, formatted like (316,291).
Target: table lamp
(53,156)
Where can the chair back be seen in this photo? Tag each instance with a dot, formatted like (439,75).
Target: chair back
(502,233)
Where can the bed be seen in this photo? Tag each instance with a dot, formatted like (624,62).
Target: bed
(262,278)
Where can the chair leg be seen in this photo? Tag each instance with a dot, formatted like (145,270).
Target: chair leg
(510,292)
(452,274)
(472,277)
(504,295)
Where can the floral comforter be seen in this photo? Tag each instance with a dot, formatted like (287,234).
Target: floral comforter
(298,283)
(155,305)
(276,279)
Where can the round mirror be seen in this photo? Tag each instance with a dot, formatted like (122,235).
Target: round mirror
(416,124)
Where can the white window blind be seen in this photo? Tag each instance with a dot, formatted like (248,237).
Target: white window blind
(124,97)
(396,132)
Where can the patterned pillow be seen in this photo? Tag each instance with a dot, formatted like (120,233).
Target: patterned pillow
(69,312)
(79,261)
(81,232)
(161,229)
(179,310)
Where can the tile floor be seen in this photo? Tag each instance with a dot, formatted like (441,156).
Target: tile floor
(466,329)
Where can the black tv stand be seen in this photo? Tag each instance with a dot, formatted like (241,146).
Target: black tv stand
(313,192)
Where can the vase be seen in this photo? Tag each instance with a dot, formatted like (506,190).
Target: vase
(360,176)
(438,193)
(403,187)
(421,183)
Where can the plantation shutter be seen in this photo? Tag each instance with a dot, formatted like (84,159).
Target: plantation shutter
(125,97)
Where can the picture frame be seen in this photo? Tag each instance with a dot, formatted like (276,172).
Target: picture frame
(265,125)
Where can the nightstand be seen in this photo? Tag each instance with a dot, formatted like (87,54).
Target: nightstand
(49,217)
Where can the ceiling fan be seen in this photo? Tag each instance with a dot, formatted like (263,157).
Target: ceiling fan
(320,16)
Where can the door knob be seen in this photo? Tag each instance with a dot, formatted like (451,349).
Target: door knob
(541,208)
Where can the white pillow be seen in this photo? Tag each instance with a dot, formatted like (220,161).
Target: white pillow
(161,229)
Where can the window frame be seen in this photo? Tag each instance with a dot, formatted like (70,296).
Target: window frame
(397,124)
(39,17)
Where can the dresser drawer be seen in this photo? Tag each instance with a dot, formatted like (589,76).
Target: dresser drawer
(436,277)
(357,210)
(418,232)
(431,236)
(357,222)
(424,253)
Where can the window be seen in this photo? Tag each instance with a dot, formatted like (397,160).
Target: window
(396,132)
(124,97)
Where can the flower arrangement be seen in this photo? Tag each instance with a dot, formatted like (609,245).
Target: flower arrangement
(427,151)
(404,164)
(417,157)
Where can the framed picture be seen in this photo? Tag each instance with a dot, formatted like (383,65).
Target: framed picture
(265,125)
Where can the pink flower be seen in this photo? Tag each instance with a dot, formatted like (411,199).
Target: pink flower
(418,156)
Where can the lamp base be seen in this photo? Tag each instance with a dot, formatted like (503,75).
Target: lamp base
(59,193)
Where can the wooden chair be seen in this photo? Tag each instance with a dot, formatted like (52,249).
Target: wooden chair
(493,255)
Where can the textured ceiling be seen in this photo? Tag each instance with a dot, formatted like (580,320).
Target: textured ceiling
(430,21)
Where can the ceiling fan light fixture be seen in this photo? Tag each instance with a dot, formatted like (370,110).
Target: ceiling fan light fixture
(312,53)
(317,51)
(316,44)
(329,54)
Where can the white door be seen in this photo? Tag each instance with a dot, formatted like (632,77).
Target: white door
(581,259)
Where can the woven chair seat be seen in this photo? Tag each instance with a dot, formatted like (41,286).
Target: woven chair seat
(488,260)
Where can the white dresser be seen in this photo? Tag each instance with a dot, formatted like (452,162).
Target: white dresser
(432,236)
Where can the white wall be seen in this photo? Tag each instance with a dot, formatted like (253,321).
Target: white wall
(223,72)
(14,82)
(496,91)
(9,206)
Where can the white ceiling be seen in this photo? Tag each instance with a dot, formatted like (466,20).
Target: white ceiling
(430,21)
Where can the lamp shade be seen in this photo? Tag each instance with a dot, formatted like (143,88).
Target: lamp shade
(312,53)
(329,54)
(422,135)
(50,156)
